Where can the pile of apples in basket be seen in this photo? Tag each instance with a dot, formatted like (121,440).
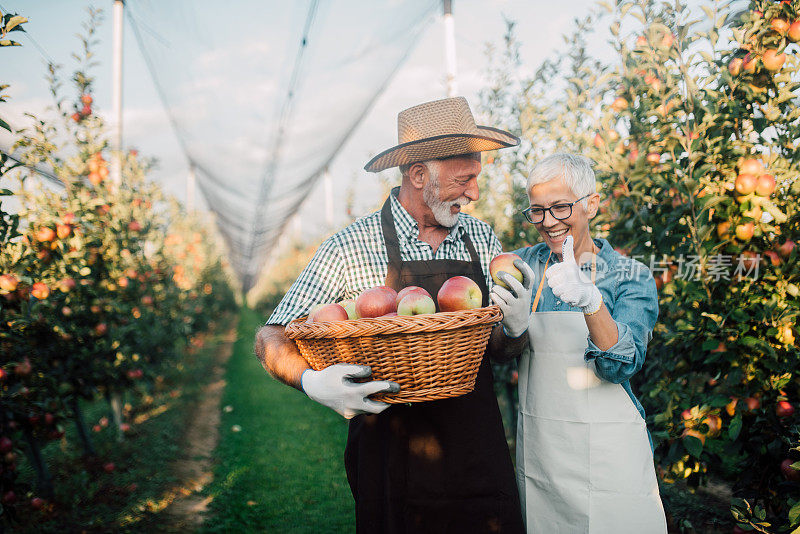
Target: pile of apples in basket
(457,293)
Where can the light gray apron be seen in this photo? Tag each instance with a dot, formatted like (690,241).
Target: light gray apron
(584,463)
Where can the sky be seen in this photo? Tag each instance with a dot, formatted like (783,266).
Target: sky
(52,37)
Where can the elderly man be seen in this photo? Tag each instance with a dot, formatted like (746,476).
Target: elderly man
(440,466)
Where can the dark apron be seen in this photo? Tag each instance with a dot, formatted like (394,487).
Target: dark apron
(440,466)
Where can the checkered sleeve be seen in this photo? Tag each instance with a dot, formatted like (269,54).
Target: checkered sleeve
(322,280)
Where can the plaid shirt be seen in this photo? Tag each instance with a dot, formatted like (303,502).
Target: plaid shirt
(355,259)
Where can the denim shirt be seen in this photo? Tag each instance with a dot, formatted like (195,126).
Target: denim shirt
(630,294)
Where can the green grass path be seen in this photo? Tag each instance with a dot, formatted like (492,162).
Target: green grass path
(283,471)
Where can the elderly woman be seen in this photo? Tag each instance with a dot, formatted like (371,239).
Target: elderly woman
(584,458)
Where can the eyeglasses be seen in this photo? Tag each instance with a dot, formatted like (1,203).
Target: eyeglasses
(558,211)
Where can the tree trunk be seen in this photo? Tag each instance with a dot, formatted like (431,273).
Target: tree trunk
(80,426)
(44,481)
(115,401)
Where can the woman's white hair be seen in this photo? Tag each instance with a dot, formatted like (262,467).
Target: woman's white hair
(576,171)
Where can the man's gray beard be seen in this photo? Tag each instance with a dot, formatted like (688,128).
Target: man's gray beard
(441,210)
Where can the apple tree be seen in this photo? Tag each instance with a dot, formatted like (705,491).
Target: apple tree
(694,129)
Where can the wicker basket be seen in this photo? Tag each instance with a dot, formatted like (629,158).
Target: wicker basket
(431,356)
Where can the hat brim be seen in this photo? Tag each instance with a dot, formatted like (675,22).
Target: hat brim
(442,146)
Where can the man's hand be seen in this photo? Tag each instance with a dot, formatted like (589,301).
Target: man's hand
(516,303)
(570,284)
(334,388)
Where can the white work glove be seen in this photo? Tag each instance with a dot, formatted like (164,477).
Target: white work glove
(570,284)
(333,387)
(515,304)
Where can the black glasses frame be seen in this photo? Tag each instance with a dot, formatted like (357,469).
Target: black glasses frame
(527,211)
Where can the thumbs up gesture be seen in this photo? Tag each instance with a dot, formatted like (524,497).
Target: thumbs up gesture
(570,284)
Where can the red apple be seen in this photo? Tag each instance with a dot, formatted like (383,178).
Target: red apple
(76,116)
(63,230)
(752,403)
(134,226)
(714,423)
(6,445)
(735,66)
(410,289)
(37,503)
(790,472)
(328,313)
(86,99)
(773,61)
(749,63)
(67,284)
(794,31)
(744,232)
(45,234)
(459,293)
(100,329)
(766,185)
(109,467)
(773,257)
(40,290)
(780,25)
(505,263)
(695,433)
(619,104)
(784,409)
(786,249)
(416,303)
(730,408)
(24,368)
(746,184)
(376,301)
(8,282)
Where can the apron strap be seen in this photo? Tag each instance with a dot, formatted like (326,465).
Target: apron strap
(541,282)
(389,232)
(473,254)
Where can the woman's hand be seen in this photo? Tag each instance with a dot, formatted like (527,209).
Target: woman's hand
(516,303)
(570,284)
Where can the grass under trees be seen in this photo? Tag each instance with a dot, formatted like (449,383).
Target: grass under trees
(136,494)
(283,470)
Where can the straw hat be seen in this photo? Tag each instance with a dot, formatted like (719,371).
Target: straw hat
(439,129)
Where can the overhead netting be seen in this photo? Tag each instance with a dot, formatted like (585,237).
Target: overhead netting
(309,71)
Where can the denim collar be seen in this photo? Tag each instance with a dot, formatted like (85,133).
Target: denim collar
(606,251)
